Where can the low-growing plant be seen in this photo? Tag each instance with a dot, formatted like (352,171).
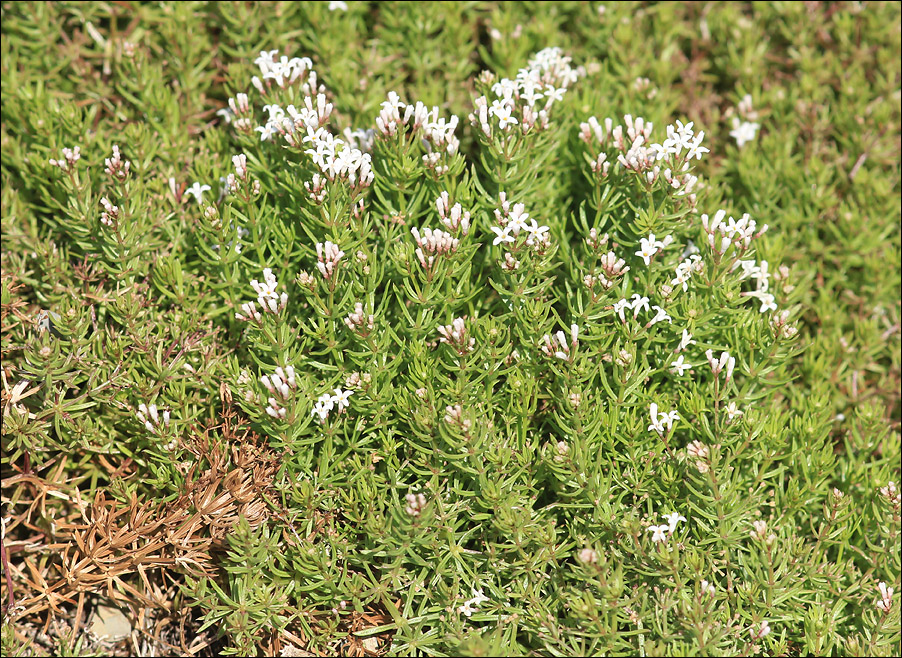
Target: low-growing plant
(349,376)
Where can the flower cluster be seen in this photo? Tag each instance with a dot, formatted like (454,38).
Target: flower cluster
(512,224)
(650,247)
(455,335)
(745,129)
(561,349)
(632,150)
(637,303)
(280,385)
(758,272)
(267,297)
(662,532)
(546,77)
(284,72)
(724,233)
(152,419)
(469,607)
(661,423)
(326,403)
(685,269)
(438,136)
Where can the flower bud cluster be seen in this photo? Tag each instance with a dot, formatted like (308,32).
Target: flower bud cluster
(454,415)
(239,114)
(633,151)
(455,335)
(432,244)
(359,322)
(280,386)
(110,215)
(760,533)
(890,493)
(115,167)
(779,322)
(885,603)
(415,504)
(70,157)
(239,182)
(597,243)
(454,218)
(700,453)
(327,255)
(558,346)
(719,364)
(152,419)
(438,136)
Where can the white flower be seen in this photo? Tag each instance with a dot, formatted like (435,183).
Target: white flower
(478,597)
(466,609)
(886,598)
(685,341)
(198,191)
(503,114)
(502,235)
(743,131)
(672,520)
(648,249)
(659,533)
(661,315)
(708,588)
(619,308)
(638,303)
(341,398)
(338,4)
(732,411)
(679,367)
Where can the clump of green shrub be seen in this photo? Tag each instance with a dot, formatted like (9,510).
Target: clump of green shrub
(514,379)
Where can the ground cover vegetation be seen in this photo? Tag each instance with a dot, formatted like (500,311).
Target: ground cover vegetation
(450,328)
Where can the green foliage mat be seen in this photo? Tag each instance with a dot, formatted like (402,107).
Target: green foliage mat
(451,328)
